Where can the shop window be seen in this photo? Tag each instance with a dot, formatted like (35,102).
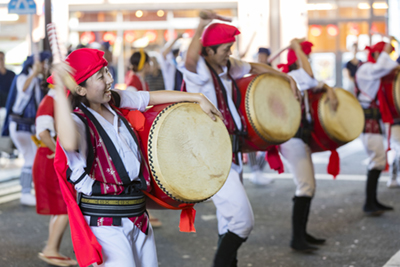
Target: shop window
(194,13)
(145,15)
(323,37)
(95,16)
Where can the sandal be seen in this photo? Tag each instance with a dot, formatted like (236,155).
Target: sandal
(57,261)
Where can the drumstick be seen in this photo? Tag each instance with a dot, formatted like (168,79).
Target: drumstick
(205,15)
(57,57)
(277,53)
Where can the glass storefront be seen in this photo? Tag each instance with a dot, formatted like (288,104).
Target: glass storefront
(335,26)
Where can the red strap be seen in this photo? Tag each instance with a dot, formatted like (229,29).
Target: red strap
(334,160)
(274,159)
(188,213)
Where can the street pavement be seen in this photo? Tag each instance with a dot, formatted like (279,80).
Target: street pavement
(353,240)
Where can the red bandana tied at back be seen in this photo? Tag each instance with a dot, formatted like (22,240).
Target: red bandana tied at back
(292,58)
(85,62)
(219,33)
(378,47)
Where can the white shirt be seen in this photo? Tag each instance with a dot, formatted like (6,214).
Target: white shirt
(119,135)
(368,77)
(168,69)
(23,98)
(303,80)
(202,82)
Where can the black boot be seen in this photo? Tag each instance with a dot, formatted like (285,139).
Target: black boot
(228,245)
(372,207)
(299,220)
(309,238)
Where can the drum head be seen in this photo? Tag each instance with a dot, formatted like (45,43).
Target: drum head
(190,155)
(347,123)
(272,109)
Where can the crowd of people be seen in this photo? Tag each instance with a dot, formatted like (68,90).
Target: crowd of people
(37,100)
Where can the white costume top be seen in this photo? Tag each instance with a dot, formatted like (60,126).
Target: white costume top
(368,77)
(303,80)
(168,69)
(202,82)
(119,135)
(23,98)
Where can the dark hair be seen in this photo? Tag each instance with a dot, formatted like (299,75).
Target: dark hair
(213,47)
(77,99)
(293,67)
(135,59)
(1,52)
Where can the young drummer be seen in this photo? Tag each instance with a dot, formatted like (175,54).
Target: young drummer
(296,151)
(368,81)
(213,73)
(96,134)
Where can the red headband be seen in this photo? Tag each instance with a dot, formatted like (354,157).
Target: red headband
(85,62)
(219,33)
(378,47)
(292,58)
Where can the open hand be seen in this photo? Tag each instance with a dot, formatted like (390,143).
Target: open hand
(209,108)
(295,90)
(332,98)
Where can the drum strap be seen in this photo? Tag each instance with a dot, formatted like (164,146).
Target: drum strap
(222,98)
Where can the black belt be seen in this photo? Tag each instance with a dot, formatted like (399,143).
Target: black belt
(21,120)
(113,205)
(304,132)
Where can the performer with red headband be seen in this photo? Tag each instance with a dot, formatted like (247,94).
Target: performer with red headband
(104,163)
(368,81)
(210,70)
(134,78)
(297,152)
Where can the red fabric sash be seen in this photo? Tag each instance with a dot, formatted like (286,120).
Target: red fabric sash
(274,159)
(86,247)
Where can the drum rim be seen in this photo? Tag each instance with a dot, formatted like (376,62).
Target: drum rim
(320,104)
(151,158)
(395,93)
(250,114)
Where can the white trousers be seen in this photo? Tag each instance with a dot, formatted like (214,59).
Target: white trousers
(373,144)
(395,139)
(297,155)
(234,212)
(22,140)
(126,245)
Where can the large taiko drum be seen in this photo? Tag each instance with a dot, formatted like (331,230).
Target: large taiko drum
(189,154)
(333,129)
(391,88)
(271,111)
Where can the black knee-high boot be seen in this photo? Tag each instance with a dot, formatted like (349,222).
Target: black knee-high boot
(372,207)
(228,245)
(309,238)
(299,243)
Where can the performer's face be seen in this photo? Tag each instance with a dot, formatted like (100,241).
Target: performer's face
(222,55)
(98,86)
(262,58)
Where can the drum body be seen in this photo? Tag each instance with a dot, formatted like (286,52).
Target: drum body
(334,129)
(391,88)
(271,111)
(189,154)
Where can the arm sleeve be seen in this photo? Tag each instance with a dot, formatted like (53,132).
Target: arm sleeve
(303,80)
(134,100)
(43,123)
(374,71)
(238,68)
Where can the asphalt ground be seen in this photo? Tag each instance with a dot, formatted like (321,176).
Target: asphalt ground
(352,239)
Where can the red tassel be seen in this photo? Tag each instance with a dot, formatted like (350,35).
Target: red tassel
(274,159)
(334,164)
(186,223)
(384,107)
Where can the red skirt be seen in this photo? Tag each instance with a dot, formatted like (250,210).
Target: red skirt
(49,199)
